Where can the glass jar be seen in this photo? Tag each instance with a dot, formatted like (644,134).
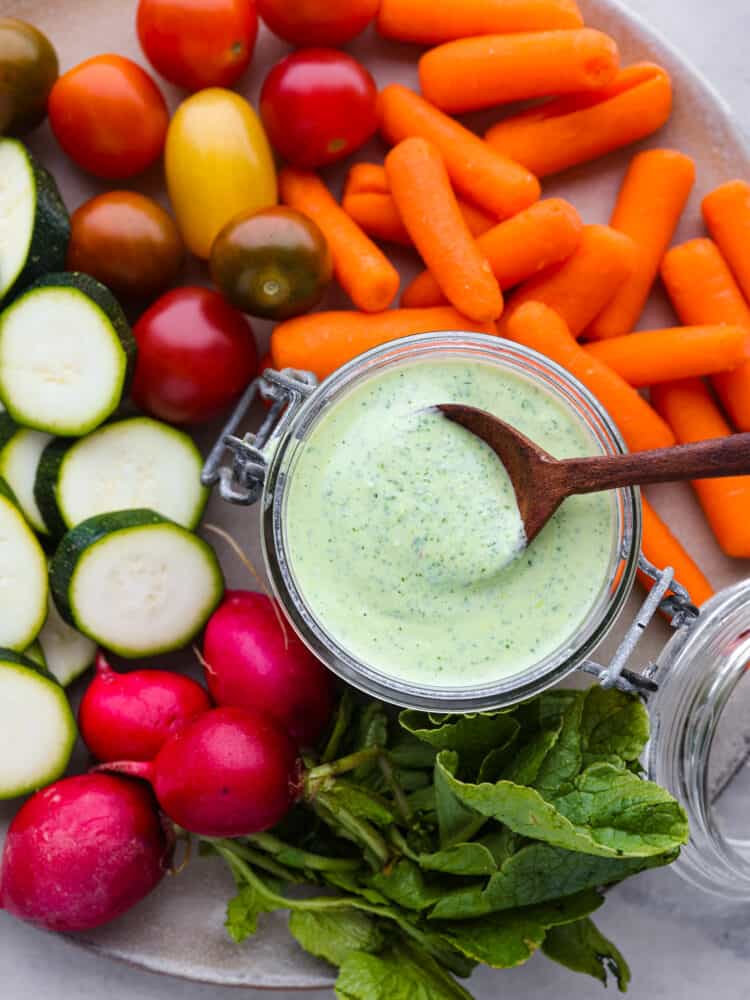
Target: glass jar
(700,740)
(287,442)
(698,690)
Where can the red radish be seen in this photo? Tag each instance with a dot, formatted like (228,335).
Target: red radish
(82,852)
(230,773)
(131,716)
(253,661)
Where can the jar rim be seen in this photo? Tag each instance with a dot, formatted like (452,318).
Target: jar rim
(489,695)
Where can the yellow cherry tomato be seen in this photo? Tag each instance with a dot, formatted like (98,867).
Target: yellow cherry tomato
(218,164)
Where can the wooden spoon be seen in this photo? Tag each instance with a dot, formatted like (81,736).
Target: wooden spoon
(542,482)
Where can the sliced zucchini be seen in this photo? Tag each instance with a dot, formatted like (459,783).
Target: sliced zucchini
(35,653)
(135,582)
(66,355)
(20,452)
(23,577)
(37,728)
(34,223)
(64,652)
(130,464)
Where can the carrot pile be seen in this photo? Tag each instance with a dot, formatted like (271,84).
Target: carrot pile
(471,208)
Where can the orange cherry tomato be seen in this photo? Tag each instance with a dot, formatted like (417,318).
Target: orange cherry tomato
(126,241)
(109,116)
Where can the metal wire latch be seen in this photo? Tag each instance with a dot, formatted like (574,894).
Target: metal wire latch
(666,595)
(242,481)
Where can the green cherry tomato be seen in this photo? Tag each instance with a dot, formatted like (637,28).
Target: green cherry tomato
(28,69)
(275,264)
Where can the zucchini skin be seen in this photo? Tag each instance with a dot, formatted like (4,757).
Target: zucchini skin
(50,236)
(6,493)
(105,300)
(45,484)
(8,428)
(9,656)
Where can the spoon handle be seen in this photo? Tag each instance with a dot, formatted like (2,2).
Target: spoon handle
(713,459)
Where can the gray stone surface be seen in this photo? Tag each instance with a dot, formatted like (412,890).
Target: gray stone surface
(680,944)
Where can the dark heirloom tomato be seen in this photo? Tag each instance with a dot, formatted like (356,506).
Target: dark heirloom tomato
(28,70)
(127,242)
(275,264)
(318,22)
(109,116)
(196,355)
(318,106)
(198,43)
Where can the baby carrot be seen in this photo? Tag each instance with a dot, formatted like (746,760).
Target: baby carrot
(689,409)
(535,239)
(480,174)
(322,342)
(580,288)
(652,198)
(537,326)
(378,216)
(363,271)
(422,191)
(662,549)
(703,291)
(474,73)
(654,356)
(575,129)
(366,178)
(727,214)
(429,22)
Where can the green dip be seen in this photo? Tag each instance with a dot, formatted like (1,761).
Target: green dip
(405,539)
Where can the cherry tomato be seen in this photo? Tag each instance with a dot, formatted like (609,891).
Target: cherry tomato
(275,264)
(318,106)
(109,116)
(127,242)
(317,22)
(198,43)
(196,355)
(28,69)
(218,163)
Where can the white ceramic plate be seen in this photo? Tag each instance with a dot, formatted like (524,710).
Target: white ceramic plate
(179,930)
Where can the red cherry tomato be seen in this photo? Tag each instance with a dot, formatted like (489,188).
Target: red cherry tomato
(198,43)
(317,22)
(318,106)
(196,355)
(109,116)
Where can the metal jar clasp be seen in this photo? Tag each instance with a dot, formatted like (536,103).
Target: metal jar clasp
(241,482)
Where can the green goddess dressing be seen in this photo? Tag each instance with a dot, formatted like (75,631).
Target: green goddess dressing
(405,539)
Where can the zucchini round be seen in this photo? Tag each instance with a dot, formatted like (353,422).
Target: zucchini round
(37,727)
(65,653)
(135,582)
(66,355)
(20,454)
(23,577)
(34,223)
(138,463)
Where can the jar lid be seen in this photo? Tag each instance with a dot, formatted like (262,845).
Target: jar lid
(700,742)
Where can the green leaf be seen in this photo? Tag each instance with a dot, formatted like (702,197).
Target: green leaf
(504,940)
(350,884)
(581,947)
(372,732)
(396,974)
(334,936)
(460,859)
(613,725)
(610,813)
(404,884)
(502,844)
(361,803)
(457,822)
(525,766)
(471,736)
(410,752)
(537,873)
(243,912)
(563,762)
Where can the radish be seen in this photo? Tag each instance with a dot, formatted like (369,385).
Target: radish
(231,772)
(253,661)
(131,716)
(82,852)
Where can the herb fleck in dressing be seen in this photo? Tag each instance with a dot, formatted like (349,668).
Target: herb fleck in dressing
(406,541)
